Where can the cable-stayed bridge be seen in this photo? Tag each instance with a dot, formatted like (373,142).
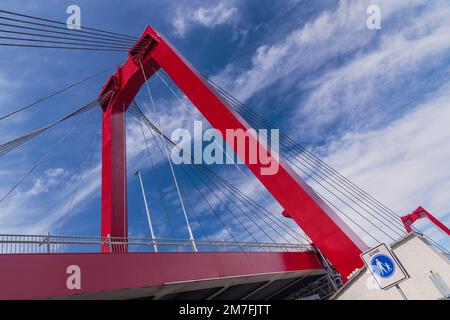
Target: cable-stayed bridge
(314,241)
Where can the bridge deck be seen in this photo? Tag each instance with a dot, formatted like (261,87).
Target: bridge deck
(163,275)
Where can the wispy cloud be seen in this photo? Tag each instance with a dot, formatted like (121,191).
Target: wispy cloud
(370,97)
(363,90)
(29,210)
(405,164)
(306,48)
(209,16)
(350,92)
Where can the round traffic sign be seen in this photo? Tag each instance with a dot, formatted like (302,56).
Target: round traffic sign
(383,266)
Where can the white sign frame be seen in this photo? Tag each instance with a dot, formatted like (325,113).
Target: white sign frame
(399,274)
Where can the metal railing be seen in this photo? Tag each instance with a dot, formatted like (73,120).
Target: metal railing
(323,288)
(30,244)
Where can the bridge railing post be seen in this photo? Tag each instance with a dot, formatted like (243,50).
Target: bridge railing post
(108,242)
(194,246)
(48,242)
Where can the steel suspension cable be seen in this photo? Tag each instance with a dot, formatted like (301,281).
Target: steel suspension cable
(73,85)
(137,113)
(59,47)
(183,194)
(246,177)
(224,184)
(159,188)
(367,232)
(239,222)
(48,31)
(213,192)
(194,214)
(40,35)
(329,202)
(327,178)
(342,190)
(333,172)
(209,204)
(346,203)
(255,223)
(84,45)
(62,23)
(168,159)
(80,179)
(231,194)
(296,165)
(41,160)
(170,163)
(44,33)
(74,32)
(15,143)
(293,142)
(436,244)
(181,188)
(215,177)
(257,208)
(253,204)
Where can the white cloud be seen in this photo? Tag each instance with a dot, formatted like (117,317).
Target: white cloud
(7,86)
(27,210)
(39,208)
(49,179)
(405,164)
(172,114)
(378,64)
(347,92)
(407,158)
(206,16)
(307,48)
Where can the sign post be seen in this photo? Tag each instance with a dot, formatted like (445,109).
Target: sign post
(385,267)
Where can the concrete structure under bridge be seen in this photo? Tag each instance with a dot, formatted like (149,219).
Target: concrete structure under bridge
(428,268)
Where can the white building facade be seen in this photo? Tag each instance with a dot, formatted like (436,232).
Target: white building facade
(428,269)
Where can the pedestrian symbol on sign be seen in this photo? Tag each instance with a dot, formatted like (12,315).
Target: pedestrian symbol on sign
(383,266)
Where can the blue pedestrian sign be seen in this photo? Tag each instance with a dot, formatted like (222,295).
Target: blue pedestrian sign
(384,266)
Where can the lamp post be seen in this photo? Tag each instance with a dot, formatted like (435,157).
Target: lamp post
(138,174)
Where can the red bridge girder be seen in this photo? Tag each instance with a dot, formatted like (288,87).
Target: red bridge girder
(421,213)
(133,275)
(340,245)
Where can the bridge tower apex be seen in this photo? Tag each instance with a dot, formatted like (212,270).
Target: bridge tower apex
(336,241)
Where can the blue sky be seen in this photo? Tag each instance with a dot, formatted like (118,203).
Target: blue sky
(372,103)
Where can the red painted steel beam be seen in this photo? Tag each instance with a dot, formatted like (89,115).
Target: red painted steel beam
(421,213)
(51,275)
(115,98)
(341,246)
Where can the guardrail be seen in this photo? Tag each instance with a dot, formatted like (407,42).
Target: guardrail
(30,244)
